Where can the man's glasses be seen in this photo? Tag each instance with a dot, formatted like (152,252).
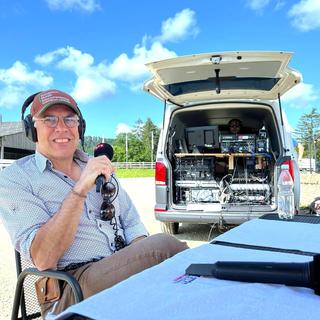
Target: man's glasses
(109,192)
(52,121)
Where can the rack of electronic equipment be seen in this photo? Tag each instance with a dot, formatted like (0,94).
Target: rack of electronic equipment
(239,172)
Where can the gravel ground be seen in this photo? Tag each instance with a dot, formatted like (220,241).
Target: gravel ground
(137,188)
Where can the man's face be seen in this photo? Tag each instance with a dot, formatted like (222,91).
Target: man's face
(60,142)
(234,126)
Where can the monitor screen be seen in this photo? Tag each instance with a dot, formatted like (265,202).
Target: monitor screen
(202,139)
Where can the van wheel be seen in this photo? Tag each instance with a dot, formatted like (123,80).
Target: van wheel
(170,227)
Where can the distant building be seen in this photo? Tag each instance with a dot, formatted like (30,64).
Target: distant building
(307,164)
(13,142)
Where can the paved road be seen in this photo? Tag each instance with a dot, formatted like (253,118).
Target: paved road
(141,191)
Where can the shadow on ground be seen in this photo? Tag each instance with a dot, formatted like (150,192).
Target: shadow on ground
(197,232)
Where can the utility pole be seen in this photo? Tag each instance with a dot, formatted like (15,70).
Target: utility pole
(315,152)
(317,138)
(127,149)
(310,153)
(152,147)
(1,143)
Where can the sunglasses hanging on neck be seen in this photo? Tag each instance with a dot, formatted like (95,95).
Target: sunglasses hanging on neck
(109,192)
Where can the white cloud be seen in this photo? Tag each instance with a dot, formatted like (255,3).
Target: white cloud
(306,15)
(76,60)
(11,96)
(92,81)
(17,81)
(82,5)
(182,25)
(19,74)
(279,5)
(67,58)
(123,128)
(92,87)
(300,96)
(257,5)
(132,69)
(49,57)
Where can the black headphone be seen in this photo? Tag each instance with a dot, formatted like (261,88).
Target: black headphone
(31,131)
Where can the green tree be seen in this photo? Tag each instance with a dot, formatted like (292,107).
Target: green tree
(119,147)
(307,132)
(90,143)
(135,148)
(134,151)
(150,137)
(139,142)
(138,129)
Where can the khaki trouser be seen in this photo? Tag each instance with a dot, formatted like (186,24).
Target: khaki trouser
(97,276)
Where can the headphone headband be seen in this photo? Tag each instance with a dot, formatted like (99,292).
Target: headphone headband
(26,104)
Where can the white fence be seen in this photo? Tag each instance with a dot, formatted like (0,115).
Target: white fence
(5,163)
(128,165)
(134,165)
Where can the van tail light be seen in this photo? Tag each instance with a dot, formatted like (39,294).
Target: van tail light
(161,174)
(159,210)
(290,164)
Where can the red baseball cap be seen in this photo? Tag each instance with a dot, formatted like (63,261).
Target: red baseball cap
(45,99)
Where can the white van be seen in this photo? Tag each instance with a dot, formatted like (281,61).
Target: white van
(204,173)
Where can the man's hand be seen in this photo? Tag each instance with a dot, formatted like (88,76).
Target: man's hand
(95,167)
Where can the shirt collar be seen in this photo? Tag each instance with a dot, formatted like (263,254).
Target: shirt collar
(43,162)
(81,156)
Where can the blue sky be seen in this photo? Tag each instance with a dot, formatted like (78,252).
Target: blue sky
(96,50)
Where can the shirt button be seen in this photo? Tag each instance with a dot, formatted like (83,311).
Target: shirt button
(112,244)
(66,177)
(100,225)
(90,211)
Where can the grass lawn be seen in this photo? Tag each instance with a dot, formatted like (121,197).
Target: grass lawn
(134,173)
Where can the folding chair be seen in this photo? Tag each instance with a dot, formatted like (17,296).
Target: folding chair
(25,297)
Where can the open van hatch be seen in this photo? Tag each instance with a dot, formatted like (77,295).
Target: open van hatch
(232,75)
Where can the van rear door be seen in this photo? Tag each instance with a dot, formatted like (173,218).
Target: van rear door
(209,77)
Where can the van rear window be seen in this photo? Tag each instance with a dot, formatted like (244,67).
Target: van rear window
(226,83)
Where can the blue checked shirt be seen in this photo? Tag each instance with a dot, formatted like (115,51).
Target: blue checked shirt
(32,191)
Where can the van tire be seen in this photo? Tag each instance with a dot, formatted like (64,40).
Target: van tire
(170,227)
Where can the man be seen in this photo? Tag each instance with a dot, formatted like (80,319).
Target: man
(234,126)
(50,207)
(317,207)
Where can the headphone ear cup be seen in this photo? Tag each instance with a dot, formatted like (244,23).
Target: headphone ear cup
(82,128)
(29,128)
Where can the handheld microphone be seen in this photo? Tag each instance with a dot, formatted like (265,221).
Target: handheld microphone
(291,274)
(102,149)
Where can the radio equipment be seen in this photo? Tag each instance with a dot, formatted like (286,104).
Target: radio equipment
(262,143)
(238,143)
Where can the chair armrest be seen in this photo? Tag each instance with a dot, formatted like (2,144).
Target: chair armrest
(61,275)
